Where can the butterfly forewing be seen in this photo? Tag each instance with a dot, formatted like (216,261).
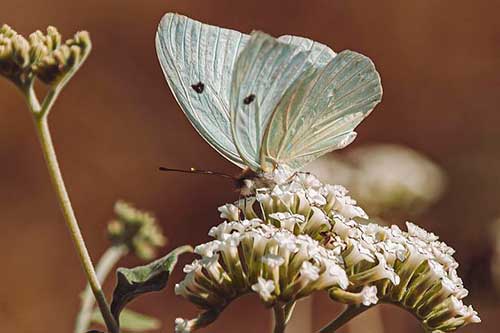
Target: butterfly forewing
(319,111)
(198,60)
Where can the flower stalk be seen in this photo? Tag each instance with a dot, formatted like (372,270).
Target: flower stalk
(42,129)
(279,318)
(349,313)
(108,260)
(44,57)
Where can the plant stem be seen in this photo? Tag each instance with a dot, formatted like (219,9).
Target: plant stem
(279,319)
(289,307)
(108,260)
(49,154)
(349,313)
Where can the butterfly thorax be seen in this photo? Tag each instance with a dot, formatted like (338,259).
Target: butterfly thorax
(248,181)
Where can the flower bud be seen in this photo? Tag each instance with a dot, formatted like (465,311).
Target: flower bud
(136,229)
(63,59)
(41,54)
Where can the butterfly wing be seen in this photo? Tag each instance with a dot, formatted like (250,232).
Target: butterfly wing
(319,55)
(320,111)
(265,69)
(191,53)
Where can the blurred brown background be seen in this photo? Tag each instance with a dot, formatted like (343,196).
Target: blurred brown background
(117,122)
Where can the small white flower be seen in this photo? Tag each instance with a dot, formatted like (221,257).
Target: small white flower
(456,306)
(315,198)
(286,241)
(223,230)
(333,275)
(264,288)
(420,233)
(273,260)
(207,249)
(229,212)
(306,180)
(470,316)
(461,292)
(352,211)
(369,295)
(230,241)
(194,266)
(309,271)
(208,262)
(357,252)
(287,220)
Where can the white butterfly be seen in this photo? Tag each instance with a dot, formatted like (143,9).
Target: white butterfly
(269,105)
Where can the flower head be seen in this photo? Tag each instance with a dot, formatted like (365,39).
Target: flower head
(41,55)
(300,237)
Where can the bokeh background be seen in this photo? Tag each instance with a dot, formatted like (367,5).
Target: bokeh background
(117,122)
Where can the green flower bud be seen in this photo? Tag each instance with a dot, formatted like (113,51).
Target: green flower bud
(7,31)
(14,53)
(54,66)
(42,55)
(136,229)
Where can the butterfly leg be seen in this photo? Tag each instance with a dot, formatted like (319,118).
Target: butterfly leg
(240,212)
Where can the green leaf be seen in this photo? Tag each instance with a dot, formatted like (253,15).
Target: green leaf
(133,282)
(131,321)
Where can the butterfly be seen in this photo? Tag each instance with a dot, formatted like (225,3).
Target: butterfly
(268,105)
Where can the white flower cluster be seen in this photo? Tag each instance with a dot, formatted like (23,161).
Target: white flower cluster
(250,255)
(299,237)
(425,281)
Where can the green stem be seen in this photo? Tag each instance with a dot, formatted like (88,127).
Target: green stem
(289,307)
(349,313)
(108,260)
(49,154)
(279,319)
(27,89)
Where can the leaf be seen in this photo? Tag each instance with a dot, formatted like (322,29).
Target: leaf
(131,321)
(133,282)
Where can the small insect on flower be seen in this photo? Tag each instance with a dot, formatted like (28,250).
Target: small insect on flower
(292,124)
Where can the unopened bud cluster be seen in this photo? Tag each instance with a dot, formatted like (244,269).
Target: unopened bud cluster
(42,55)
(300,237)
(136,229)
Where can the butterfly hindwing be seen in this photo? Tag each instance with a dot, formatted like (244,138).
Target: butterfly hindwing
(320,111)
(265,69)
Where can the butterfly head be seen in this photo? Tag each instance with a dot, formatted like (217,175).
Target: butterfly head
(249,180)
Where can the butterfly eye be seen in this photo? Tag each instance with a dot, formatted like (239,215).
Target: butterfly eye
(249,99)
(198,87)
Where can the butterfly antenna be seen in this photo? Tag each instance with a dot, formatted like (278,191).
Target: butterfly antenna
(202,172)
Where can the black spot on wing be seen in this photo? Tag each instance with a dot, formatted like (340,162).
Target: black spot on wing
(249,99)
(199,87)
